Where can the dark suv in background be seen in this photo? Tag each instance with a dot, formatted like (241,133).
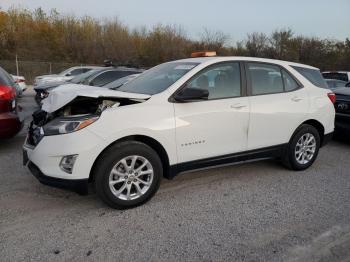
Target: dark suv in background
(10,122)
(95,77)
(342,111)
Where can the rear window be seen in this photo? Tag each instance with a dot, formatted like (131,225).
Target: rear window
(313,75)
(6,79)
(337,76)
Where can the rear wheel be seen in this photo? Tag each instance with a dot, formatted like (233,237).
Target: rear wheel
(128,174)
(303,148)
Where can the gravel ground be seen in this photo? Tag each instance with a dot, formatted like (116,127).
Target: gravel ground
(252,212)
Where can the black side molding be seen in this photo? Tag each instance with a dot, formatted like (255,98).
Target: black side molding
(263,153)
(79,186)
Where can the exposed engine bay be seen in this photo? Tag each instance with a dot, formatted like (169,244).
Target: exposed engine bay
(79,109)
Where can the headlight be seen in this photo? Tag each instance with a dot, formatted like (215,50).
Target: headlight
(64,125)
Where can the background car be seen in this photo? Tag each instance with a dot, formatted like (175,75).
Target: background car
(96,77)
(63,76)
(21,81)
(342,109)
(335,83)
(121,81)
(339,75)
(10,122)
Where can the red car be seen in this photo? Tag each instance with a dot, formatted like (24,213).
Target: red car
(10,122)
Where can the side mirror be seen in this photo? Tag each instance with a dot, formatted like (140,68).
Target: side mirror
(68,74)
(191,95)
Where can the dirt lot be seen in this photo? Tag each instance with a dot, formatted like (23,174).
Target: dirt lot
(252,212)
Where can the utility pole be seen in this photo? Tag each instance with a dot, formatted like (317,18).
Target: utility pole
(17,71)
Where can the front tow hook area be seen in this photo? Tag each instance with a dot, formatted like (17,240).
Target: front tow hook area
(79,186)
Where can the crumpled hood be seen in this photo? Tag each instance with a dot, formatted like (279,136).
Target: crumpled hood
(64,94)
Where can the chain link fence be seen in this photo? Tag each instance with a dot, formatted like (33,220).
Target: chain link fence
(31,69)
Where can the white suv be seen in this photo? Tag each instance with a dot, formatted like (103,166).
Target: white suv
(178,116)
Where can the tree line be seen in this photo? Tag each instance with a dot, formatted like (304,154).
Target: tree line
(40,36)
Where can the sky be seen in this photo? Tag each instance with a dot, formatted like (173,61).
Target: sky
(319,18)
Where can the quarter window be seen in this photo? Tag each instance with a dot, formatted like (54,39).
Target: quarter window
(289,83)
(313,75)
(221,81)
(265,79)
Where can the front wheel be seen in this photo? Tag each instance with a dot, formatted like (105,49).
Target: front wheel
(303,148)
(128,174)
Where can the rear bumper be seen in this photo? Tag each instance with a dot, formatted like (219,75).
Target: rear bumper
(342,123)
(10,124)
(77,185)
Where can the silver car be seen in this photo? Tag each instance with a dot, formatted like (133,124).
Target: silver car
(66,75)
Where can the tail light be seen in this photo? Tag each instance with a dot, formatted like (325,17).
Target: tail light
(332,97)
(7,92)
(20,81)
(7,99)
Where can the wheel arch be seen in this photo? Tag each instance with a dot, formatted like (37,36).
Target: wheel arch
(316,124)
(151,142)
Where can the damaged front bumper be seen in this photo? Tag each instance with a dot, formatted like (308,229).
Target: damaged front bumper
(60,150)
(77,185)
(44,159)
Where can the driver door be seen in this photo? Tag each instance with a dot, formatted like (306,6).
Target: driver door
(217,126)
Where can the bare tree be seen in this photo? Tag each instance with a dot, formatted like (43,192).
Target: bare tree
(213,40)
(257,44)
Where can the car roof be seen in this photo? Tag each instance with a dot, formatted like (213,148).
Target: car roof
(338,72)
(240,58)
(90,67)
(335,80)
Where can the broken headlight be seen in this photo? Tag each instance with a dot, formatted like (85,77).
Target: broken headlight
(65,125)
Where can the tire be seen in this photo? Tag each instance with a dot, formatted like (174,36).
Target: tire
(111,168)
(294,160)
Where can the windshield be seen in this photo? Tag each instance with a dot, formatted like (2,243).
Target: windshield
(121,81)
(158,78)
(80,78)
(63,73)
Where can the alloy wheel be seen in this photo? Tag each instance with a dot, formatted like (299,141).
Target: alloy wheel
(131,177)
(305,148)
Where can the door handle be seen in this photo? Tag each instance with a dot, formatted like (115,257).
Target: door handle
(238,106)
(296,99)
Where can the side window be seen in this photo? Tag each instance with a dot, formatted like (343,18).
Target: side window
(265,79)
(101,79)
(76,72)
(86,70)
(221,81)
(109,76)
(289,83)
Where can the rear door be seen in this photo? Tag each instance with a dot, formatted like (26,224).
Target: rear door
(278,104)
(217,126)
